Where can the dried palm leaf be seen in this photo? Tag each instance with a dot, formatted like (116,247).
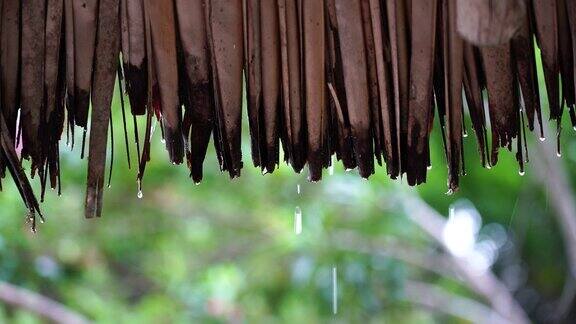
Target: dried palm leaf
(565,59)
(420,111)
(473,91)
(136,66)
(224,26)
(453,58)
(571,13)
(54,88)
(199,114)
(292,83)
(10,62)
(32,79)
(489,22)
(105,67)
(546,22)
(399,51)
(355,78)
(372,73)
(503,101)
(271,86)
(352,51)
(164,62)
(15,168)
(253,62)
(388,136)
(85,15)
(317,117)
(340,124)
(523,53)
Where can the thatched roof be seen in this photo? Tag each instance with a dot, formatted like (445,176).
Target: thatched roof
(361,79)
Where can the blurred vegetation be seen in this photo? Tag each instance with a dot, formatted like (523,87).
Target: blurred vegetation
(225,251)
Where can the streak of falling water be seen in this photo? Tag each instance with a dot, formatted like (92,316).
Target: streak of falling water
(298,220)
(331,167)
(334,291)
(140,194)
(298,190)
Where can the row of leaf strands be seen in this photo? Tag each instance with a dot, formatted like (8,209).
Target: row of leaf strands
(361,79)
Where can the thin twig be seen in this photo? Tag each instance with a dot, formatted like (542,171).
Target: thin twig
(39,305)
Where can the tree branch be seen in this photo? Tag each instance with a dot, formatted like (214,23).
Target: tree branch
(439,300)
(551,173)
(39,305)
(485,283)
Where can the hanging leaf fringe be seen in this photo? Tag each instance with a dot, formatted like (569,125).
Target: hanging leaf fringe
(361,80)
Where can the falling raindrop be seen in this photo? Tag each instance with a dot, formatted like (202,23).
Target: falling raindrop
(558,154)
(574,128)
(488,166)
(163,141)
(465,134)
(298,220)
(542,139)
(298,189)
(140,194)
(521,173)
(429,167)
(450,192)
(334,290)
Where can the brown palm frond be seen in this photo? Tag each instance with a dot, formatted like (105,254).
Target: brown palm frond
(523,52)
(453,58)
(225,38)
(420,110)
(489,22)
(105,67)
(271,85)
(196,82)
(358,79)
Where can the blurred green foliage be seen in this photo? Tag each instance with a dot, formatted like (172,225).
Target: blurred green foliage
(225,251)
